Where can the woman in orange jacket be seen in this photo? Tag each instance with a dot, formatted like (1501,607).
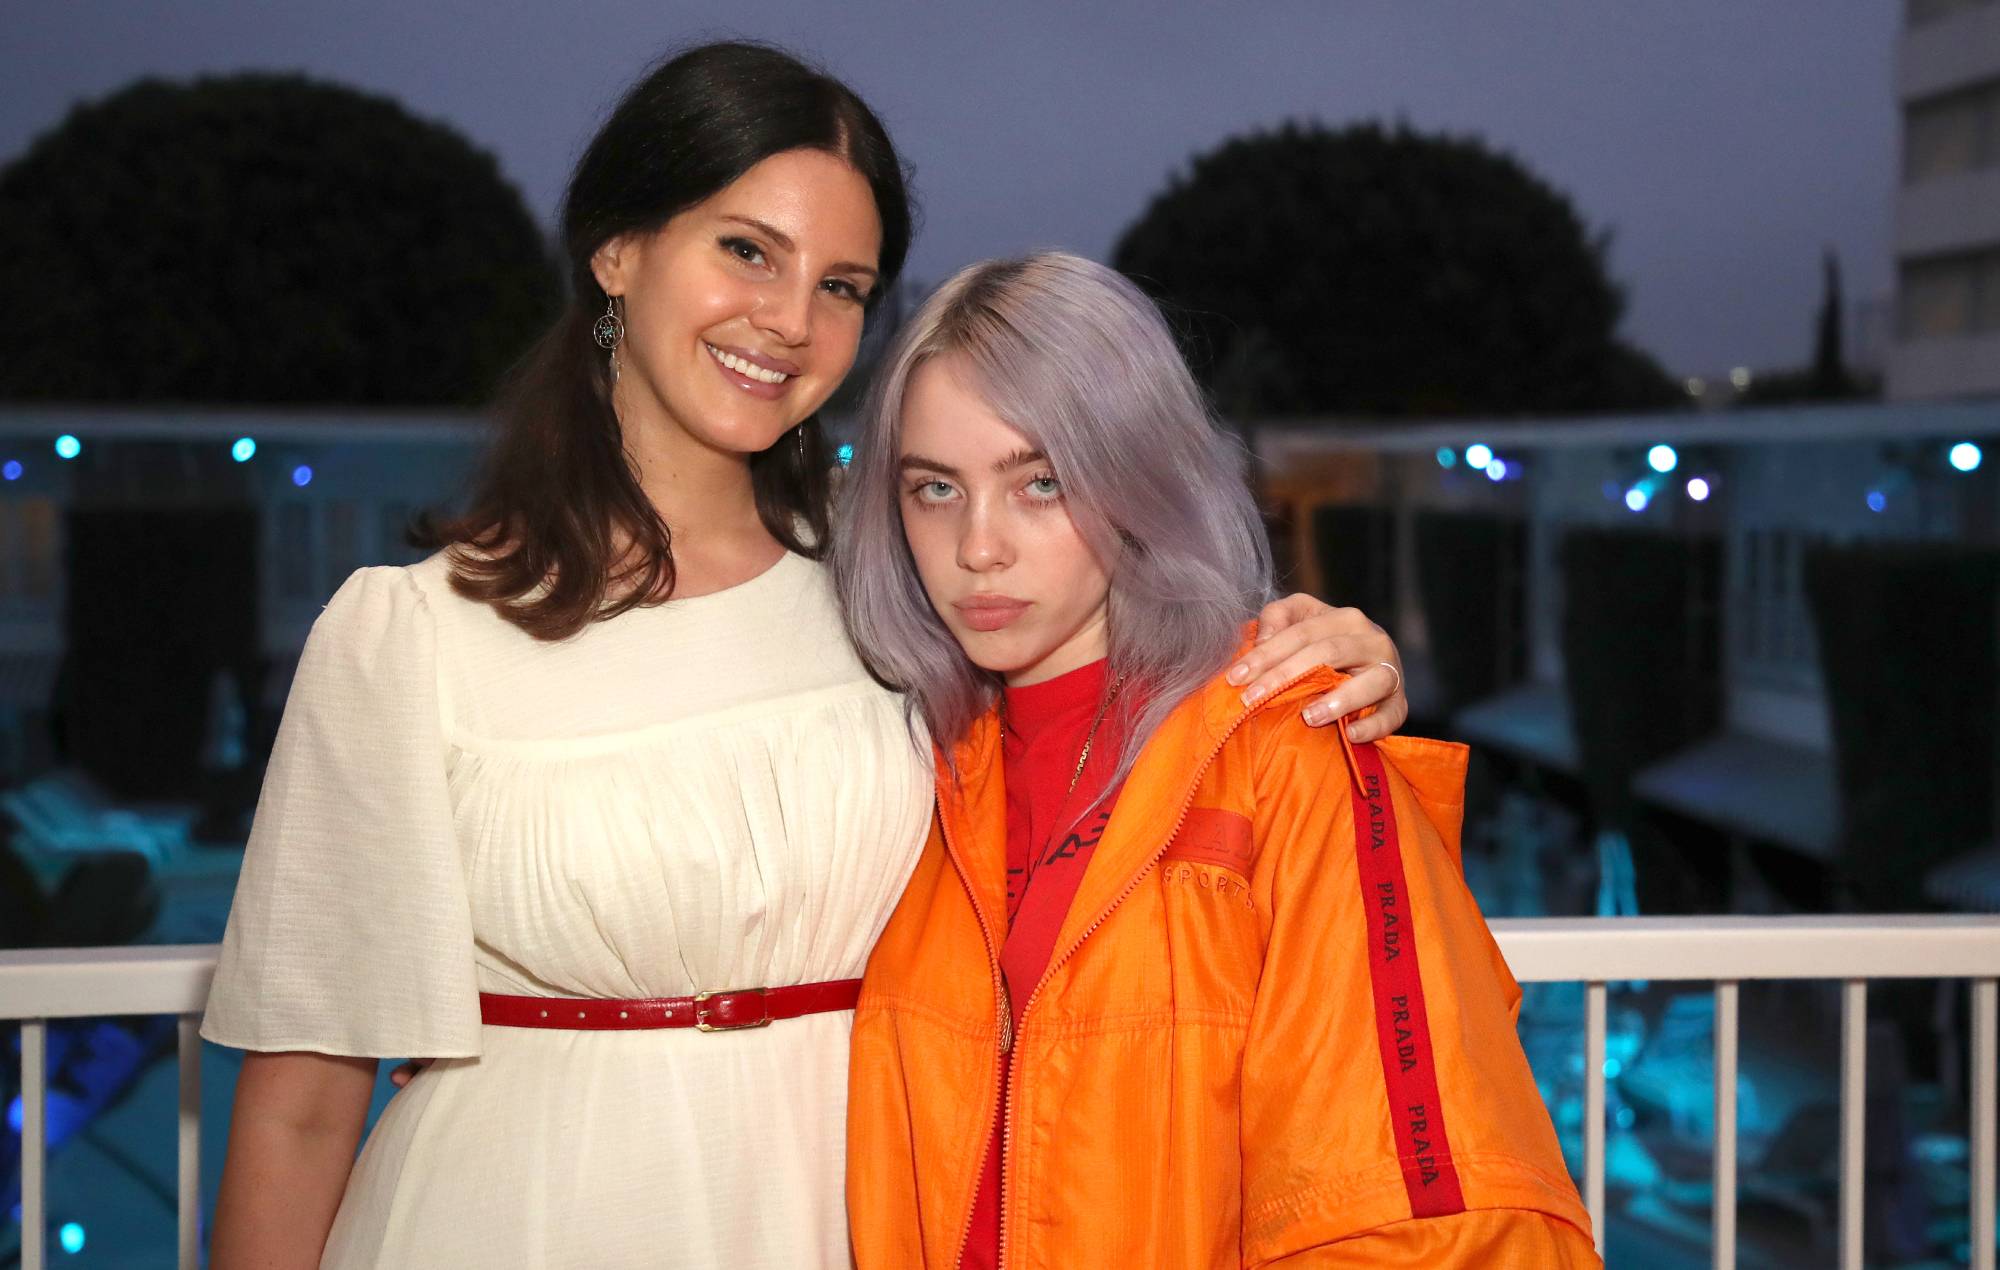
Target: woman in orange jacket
(1177,982)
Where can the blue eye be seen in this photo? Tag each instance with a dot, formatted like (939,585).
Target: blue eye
(1046,488)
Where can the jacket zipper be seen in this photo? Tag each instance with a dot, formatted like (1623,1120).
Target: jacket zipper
(1005,1016)
(1152,860)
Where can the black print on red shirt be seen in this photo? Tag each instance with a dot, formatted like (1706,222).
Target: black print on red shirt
(1085,835)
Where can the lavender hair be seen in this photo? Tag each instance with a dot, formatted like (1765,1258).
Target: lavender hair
(1080,362)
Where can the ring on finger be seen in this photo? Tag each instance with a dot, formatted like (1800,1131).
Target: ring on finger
(1394,670)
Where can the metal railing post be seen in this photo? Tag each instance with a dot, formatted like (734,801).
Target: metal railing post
(1724,1216)
(34,1142)
(1593,1109)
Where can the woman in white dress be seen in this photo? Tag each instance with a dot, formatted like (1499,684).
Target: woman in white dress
(516,782)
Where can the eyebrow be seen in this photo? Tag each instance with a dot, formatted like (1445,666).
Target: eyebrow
(784,240)
(1019,458)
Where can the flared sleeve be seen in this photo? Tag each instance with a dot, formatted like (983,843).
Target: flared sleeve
(350,932)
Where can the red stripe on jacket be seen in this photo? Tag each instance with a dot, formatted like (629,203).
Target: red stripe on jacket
(1401,1022)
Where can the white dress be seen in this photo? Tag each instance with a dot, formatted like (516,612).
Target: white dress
(707,794)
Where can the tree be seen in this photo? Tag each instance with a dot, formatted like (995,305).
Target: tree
(1377,271)
(262,238)
(1828,377)
(1829,364)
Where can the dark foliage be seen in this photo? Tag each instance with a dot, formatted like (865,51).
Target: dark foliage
(1639,687)
(262,238)
(1355,545)
(1828,378)
(1907,644)
(1378,271)
(1472,571)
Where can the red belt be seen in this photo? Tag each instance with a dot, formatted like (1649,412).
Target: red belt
(709,1011)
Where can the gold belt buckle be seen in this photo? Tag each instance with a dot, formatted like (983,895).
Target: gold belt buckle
(702,1024)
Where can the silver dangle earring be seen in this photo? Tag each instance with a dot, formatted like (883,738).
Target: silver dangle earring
(609,330)
(802,447)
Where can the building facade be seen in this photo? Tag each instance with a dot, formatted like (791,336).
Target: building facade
(1947,327)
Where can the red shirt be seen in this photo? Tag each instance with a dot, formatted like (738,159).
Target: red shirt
(1047,724)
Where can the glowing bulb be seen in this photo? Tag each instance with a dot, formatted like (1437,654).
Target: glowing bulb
(1695,386)
(244,450)
(1965,456)
(1496,470)
(71,1237)
(1637,498)
(1662,459)
(1477,455)
(12,471)
(1447,457)
(68,447)
(1697,489)
(302,476)
(1740,378)
(1877,500)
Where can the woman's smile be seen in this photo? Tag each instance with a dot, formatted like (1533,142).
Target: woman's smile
(760,376)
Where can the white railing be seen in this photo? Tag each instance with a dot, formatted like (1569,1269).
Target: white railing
(1598,952)
(39,985)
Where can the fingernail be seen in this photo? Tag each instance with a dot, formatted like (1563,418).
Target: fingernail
(1238,673)
(1316,715)
(1252,696)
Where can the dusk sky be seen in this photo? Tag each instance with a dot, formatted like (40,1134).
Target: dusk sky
(1723,142)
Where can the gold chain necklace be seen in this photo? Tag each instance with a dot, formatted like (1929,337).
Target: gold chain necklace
(1083,755)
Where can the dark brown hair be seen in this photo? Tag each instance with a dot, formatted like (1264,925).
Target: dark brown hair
(540,538)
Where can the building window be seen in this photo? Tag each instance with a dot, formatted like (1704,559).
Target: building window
(1952,295)
(1956,132)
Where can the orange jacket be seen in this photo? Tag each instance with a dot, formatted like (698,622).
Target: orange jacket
(1232,1059)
